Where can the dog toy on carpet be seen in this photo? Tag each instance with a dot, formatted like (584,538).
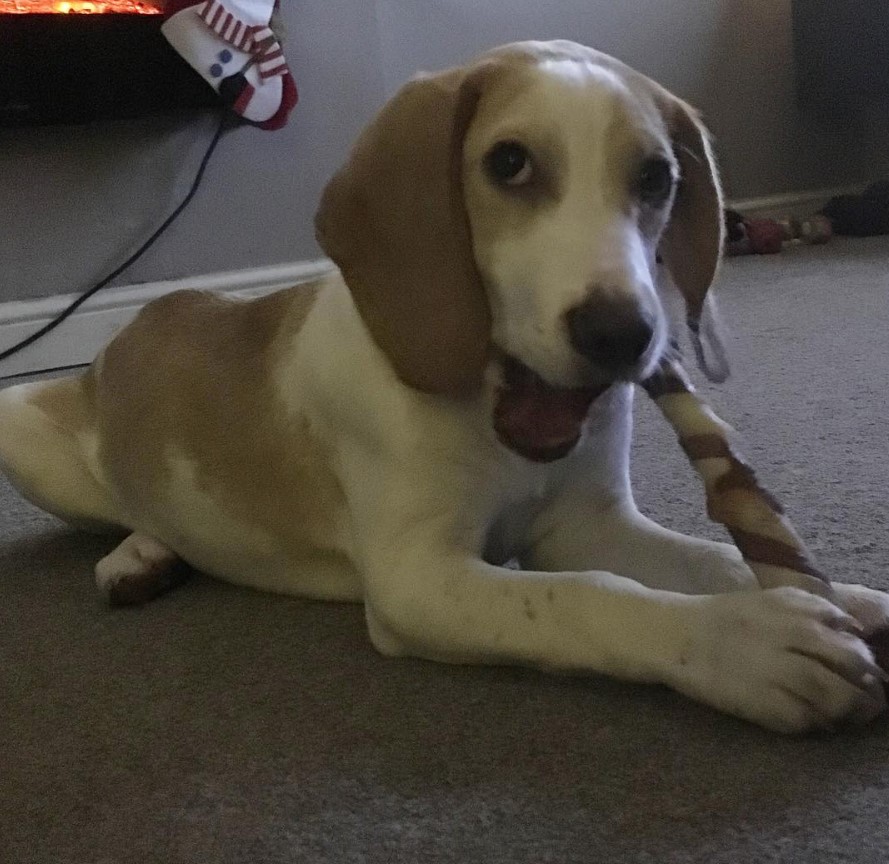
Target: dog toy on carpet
(755,520)
(748,236)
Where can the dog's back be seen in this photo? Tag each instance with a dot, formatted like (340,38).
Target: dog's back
(177,430)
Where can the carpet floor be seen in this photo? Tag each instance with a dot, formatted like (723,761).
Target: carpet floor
(222,725)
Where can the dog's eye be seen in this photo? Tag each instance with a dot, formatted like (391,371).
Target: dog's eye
(509,163)
(655,182)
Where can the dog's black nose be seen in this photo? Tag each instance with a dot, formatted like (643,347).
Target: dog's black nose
(611,332)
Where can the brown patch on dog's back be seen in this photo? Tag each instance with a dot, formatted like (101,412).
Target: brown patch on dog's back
(192,378)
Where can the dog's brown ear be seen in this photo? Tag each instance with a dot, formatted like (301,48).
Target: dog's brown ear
(394,222)
(692,243)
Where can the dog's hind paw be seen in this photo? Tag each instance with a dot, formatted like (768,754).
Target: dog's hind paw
(138,570)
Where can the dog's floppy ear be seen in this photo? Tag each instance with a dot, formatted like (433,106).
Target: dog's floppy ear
(691,246)
(394,222)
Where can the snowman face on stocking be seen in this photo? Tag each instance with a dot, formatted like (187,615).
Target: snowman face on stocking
(232,47)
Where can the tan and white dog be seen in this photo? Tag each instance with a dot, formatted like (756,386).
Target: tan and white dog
(457,397)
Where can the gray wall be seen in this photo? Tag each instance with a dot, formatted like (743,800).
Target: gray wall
(731,58)
(76,201)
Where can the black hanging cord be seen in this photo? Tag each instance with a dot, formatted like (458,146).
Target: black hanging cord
(226,121)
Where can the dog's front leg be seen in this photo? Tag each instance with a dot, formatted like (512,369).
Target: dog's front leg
(577,533)
(431,602)
(589,524)
(781,658)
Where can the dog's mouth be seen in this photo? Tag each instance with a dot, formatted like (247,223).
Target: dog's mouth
(537,420)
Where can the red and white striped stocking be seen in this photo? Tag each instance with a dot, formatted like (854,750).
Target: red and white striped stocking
(231,42)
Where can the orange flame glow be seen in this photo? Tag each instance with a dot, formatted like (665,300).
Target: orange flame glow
(81,7)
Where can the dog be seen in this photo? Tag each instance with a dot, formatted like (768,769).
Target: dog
(440,428)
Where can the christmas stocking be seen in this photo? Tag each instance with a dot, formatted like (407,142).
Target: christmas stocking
(232,46)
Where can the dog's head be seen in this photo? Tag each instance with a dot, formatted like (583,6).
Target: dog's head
(515,207)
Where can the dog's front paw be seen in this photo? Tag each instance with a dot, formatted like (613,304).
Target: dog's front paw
(782,658)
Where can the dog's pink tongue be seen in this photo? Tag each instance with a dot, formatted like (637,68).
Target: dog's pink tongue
(536,420)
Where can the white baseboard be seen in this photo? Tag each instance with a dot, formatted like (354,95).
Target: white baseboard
(791,203)
(79,338)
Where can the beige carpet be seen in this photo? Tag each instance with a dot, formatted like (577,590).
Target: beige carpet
(220,725)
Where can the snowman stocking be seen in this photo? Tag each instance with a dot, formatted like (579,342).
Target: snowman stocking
(232,46)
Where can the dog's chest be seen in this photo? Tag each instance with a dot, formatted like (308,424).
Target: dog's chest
(598,466)
(507,538)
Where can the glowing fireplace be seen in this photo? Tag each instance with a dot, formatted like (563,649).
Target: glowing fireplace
(62,7)
(76,61)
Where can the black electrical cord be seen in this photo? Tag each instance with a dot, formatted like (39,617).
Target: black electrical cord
(228,120)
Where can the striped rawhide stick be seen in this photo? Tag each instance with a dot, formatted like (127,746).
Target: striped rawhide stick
(756,521)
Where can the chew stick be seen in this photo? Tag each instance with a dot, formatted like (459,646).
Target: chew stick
(756,521)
